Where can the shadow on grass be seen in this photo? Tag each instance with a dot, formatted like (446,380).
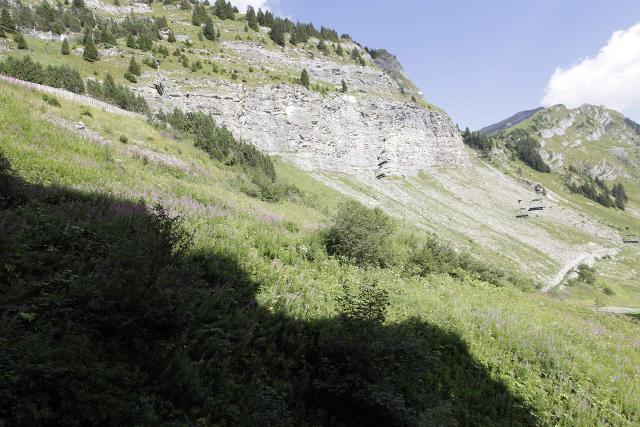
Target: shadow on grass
(107,318)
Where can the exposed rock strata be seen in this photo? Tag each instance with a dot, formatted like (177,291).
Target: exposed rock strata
(334,132)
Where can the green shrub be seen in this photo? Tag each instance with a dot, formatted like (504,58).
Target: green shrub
(367,304)
(64,48)
(123,139)
(587,274)
(359,234)
(21,43)
(434,256)
(608,291)
(130,77)
(51,100)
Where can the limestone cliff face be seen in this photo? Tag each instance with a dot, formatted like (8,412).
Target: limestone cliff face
(370,128)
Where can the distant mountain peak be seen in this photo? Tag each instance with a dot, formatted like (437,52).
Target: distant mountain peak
(509,122)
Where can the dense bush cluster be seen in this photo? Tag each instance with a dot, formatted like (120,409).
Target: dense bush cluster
(433,256)
(596,189)
(477,141)
(364,237)
(120,95)
(61,76)
(360,234)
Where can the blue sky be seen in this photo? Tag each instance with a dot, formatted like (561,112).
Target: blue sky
(480,60)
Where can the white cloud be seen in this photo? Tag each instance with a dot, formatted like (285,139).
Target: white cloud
(611,78)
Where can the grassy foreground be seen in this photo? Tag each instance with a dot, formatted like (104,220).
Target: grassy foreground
(111,314)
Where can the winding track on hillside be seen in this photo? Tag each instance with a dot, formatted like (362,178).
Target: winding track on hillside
(570,267)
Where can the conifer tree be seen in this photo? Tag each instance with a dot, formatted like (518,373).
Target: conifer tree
(144,42)
(90,51)
(171,38)
(209,31)
(293,39)
(277,33)
(64,49)
(344,86)
(339,50)
(109,87)
(134,67)
(269,20)
(131,41)
(107,37)
(260,16)
(197,16)
(355,54)
(252,20)
(304,79)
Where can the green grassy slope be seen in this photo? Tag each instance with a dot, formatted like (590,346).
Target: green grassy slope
(494,355)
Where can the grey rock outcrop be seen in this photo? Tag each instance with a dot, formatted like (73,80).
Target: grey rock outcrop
(335,132)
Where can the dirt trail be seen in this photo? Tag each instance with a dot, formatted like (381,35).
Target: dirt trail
(583,258)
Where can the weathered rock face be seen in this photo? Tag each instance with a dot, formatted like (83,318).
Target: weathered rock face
(335,132)
(388,62)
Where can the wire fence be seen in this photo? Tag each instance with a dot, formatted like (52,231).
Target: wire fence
(80,99)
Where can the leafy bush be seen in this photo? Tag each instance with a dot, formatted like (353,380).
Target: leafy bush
(367,305)
(359,234)
(51,100)
(587,274)
(21,43)
(433,256)
(62,76)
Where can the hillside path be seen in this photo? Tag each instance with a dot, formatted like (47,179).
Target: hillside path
(583,258)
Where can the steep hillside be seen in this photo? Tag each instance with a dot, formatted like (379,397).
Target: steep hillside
(374,138)
(182,246)
(112,315)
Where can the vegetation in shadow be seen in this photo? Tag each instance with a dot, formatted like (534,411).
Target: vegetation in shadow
(108,317)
